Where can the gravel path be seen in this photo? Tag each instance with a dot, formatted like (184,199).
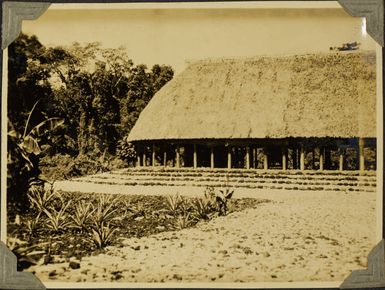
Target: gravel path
(300,236)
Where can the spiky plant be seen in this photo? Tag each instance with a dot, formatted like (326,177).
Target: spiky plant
(58,220)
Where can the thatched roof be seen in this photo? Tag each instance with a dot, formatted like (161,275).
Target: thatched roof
(315,95)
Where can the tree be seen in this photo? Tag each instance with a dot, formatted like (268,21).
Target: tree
(23,156)
(97,91)
(142,87)
(27,80)
(101,93)
(92,83)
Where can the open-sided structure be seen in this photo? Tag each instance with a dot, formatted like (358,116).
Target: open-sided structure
(315,111)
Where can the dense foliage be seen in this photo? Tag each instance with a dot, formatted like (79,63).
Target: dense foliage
(98,92)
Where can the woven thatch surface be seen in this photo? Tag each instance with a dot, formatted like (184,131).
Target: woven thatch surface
(317,95)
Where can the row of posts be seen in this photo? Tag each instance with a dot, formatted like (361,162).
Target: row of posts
(265,158)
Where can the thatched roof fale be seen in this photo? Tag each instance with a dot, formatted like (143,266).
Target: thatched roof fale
(315,95)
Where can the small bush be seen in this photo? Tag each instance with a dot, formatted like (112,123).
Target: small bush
(222,199)
(84,165)
(126,151)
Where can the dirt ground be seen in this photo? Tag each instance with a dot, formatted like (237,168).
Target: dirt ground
(300,236)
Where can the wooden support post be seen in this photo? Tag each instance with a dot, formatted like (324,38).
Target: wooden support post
(153,155)
(302,158)
(341,167)
(195,157)
(361,144)
(247,157)
(265,159)
(295,157)
(177,156)
(212,157)
(327,155)
(321,159)
(229,157)
(164,158)
(254,157)
(313,159)
(144,158)
(284,158)
(138,161)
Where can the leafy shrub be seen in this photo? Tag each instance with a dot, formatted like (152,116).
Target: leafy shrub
(222,199)
(212,203)
(55,167)
(24,151)
(84,165)
(126,151)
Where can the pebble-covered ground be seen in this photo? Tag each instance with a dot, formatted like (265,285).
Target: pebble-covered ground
(300,236)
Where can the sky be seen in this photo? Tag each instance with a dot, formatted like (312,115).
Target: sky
(176,36)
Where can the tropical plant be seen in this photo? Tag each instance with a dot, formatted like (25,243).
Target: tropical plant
(185,206)
(105,210)
(22,160)
(209,192)
(33,224)
(102,235)
(28,142)
(203,208)
(125,205)
(222,199)
(57,220)
(39,196)
(173,203)
(81,215)
(183,221)
(139,210)
(26,254)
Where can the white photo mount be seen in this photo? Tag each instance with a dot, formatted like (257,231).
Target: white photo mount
(13,13)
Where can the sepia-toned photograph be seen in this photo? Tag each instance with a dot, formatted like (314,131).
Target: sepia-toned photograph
(193,143)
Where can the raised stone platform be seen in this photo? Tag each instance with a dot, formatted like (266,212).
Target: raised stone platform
(240,178)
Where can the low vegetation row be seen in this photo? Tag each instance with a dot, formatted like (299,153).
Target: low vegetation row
(61,225)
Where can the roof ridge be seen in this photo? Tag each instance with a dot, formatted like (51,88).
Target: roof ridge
(283,55)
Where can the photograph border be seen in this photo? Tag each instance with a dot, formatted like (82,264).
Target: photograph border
(14,12)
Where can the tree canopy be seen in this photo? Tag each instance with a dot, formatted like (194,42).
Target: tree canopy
(99,92)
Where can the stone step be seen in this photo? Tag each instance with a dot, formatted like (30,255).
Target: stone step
(230,181)
(257,179)
(270,179)
(303,186)
(283,175)
(242,171)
